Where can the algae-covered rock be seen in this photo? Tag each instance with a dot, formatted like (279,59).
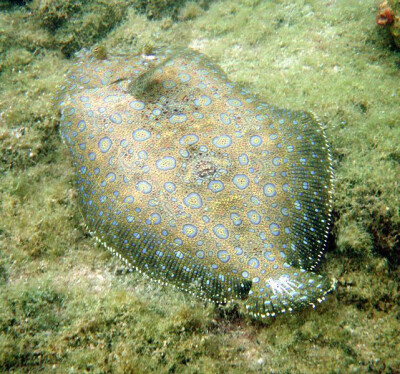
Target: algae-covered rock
(388,16)
(74,24)
(156,9)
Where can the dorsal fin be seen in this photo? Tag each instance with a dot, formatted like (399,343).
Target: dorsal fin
(311,186)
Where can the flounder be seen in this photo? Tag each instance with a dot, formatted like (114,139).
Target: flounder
(196,182)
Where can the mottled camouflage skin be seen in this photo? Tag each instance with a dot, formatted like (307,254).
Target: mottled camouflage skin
(196,182)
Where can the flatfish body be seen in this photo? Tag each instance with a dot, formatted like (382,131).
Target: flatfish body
(196,182)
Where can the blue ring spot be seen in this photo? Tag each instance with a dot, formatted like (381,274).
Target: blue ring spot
(116,118)
(129,199)
(110,177)
(193,201)
(256,140)
(269,190)
(84,79)
(206,219)
(144,187)
(234,102)
(189,139)
(238,251)
(203,100)
(189,230)
(198,115)
(236,219)
(81,125)
(124,143)
(105,144)
(225,119)
(276,161)
(155,218)
(143,155)
(255,200)
(269,256)
(166,163)
(274,228)
(254,217)
(184,153)
(215,186)
(200,254)
(169,187)
(141,135)
(243,159)
(137,105)
(184,77)
(203,148)
(222,141)
(177,118)
(254,263)
(221,231)
(111,99)
(168,84)
(241,181)
(223,256)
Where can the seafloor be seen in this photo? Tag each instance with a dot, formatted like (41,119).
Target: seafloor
(66,305)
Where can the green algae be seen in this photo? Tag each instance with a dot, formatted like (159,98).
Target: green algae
(65,303)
